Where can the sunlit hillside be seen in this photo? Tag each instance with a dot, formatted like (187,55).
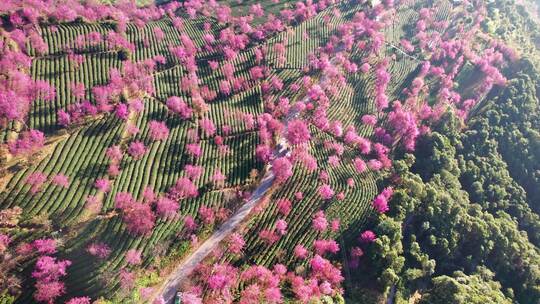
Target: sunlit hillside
(242,151)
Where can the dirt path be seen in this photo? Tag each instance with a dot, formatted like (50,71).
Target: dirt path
(170,286)
(182,271)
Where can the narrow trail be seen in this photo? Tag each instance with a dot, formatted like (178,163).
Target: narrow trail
(182,271)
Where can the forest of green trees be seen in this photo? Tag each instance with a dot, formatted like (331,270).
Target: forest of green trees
(464,223)
(465,214)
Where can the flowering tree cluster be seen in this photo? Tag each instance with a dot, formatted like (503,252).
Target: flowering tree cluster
(381,83)
(297,132)
(236,243)
(99,250)
(48,272)
(121,96)
(137,216)
(28,142)
(37,179)
(178,106)
(136,149)
(115,154)
(282,169)
(158,130)
(261,284)
(18,90)
(380,203)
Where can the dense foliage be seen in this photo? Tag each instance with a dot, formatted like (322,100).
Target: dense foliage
(465,214)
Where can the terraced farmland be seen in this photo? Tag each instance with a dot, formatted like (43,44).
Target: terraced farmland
(165,119)
(81,156)
(356,206)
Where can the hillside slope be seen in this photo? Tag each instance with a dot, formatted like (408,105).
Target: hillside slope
(130,134)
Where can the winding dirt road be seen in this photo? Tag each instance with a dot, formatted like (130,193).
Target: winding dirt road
(183,270)
(170,286)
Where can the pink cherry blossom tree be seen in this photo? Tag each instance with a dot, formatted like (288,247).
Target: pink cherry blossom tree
(136,149)
(236,243)
(297,132)
(282,169)
(319,222)
(99,250)
(166,207)
(47,273)
(61,180)
(36,180)
(326,192)
(27,143)
(133,257)
(158,130)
